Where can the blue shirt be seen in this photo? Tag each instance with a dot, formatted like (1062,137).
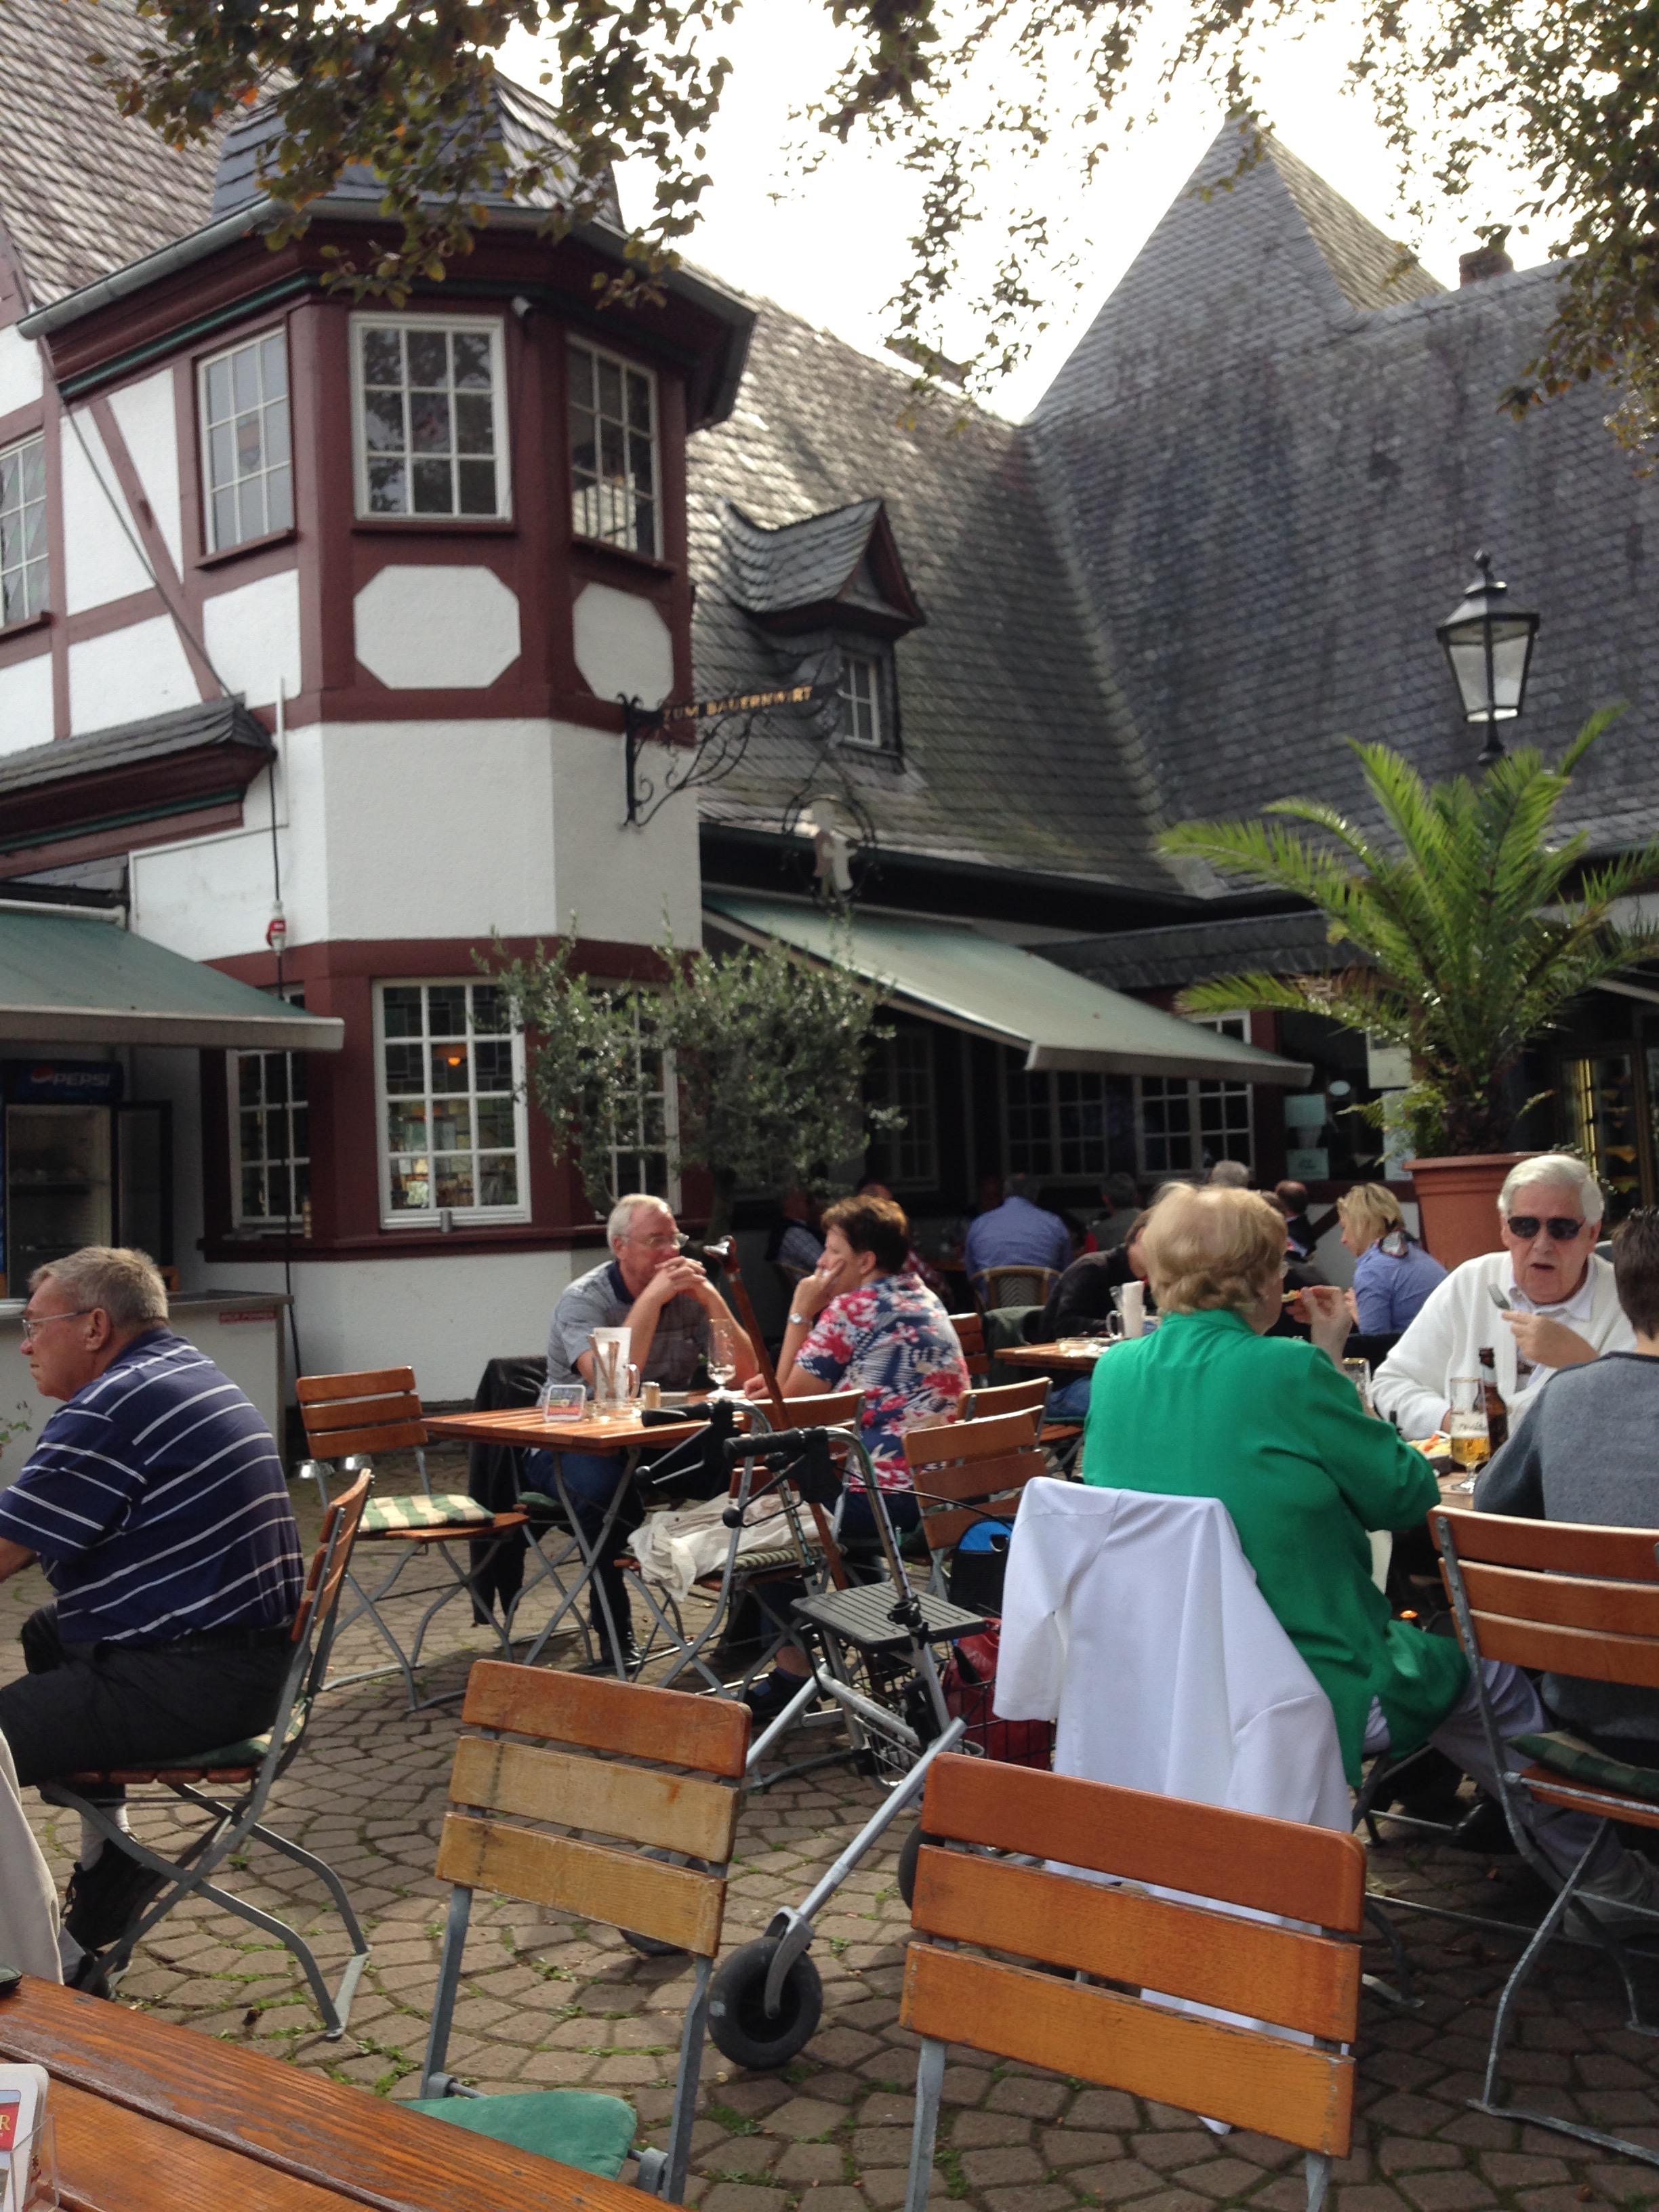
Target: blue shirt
(155,1501)
(1016,1234)
(1391,1289)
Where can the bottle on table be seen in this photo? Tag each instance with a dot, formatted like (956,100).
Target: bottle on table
(1498,1413)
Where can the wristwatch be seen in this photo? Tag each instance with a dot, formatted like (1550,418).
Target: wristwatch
(800,1321)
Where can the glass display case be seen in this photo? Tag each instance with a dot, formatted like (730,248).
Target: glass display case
(59,1184)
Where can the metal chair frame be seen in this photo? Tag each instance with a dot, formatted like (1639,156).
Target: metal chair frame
(241,1821)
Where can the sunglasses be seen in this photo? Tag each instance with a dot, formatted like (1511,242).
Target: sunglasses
(1562,1227)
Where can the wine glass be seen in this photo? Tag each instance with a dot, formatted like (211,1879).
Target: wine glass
(722,1352)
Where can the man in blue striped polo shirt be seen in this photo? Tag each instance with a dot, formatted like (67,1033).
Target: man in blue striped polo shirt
(156,1502)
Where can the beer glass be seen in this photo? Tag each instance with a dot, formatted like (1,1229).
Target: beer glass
(1471,1439)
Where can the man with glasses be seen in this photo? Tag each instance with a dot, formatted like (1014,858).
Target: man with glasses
(667,1304)
(156,1502)
(1545,1302)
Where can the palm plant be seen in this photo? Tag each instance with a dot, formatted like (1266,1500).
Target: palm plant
(1469,930)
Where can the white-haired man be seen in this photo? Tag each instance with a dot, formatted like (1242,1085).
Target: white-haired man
(1542,1303)
(665,1301)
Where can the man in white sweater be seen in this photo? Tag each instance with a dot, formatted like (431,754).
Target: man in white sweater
(1543,1302)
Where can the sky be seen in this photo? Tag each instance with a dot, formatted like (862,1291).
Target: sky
(832,247)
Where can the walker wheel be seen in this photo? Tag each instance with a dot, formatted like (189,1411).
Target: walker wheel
(908,1854)
(737,2020)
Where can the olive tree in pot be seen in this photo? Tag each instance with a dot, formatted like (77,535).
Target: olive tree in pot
(766,1053)
(1461,933)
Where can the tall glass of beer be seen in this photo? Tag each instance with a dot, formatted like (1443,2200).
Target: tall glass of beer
(1471,1439)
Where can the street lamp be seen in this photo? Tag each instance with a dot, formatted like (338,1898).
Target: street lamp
(1489,645)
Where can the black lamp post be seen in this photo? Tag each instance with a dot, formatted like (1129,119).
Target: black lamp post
(1489,645)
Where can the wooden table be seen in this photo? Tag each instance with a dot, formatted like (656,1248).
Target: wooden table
(1049,1360)
(523,1427)
(151,2117)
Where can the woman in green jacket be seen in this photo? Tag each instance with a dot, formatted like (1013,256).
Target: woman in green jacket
(1212,1407)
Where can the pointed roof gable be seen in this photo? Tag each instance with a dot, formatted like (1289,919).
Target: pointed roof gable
(1371,269)
(842,567)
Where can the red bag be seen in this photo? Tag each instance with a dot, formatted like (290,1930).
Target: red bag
(970,1685)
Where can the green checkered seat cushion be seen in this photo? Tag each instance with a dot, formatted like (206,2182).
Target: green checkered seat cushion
(1568,1754)
(448,1508)
(248,1752)
(593,2134)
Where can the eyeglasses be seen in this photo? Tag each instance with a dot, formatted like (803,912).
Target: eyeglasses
(657,1243)
(32,1323)
(1562,1227)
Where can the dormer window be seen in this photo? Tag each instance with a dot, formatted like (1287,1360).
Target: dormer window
(863,720)
(431,428)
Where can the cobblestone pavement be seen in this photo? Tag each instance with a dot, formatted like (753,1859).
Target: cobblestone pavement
(548,2001)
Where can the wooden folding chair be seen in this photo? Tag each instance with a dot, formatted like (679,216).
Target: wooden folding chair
(970,1472)
(1017,1287)
(207,1777)
(349,1418)
(1282,2064)
(1569,1599)
(554,1773)
(986,1403)
(970,1335)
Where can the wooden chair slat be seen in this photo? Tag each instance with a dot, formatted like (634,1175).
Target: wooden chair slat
(1555,1547)
(1563,1600)
(673,1904)
(1239,1858)
(447,1532)
(970,1335)
(1278,1974)
(1293,2091)
(340,1444)
(361,1413)
(829,1409)
(1552,1788)
(998,1399)
(674,1812)
(1631,1660)
(710,1734)
(1004,1435)
(374,1382)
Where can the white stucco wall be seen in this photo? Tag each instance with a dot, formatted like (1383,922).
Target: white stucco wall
(145,416)
(436,628)
(128,675)
(100,563)
(25,703)
(20,372)
(251,634)
(623,647)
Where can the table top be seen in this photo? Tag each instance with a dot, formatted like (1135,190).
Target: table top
(1051,1360)
(523,1425)
(151,2117)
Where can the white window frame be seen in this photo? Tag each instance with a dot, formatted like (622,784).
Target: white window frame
(1201,1091)
(1051,1080)
(484,325)
(210,536)
(266,1225)
(670,1147)
(892,1144)
(851,703)
(395,1217)
(43,562)
(583,345)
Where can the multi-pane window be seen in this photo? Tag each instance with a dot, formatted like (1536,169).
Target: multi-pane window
(902,1075)
(453,1136)
(645,1146)
(614,474)
(861,700)
(23,530)
(1056,1123)
(269,1137)
(431,432)
(1186,1124)
(248,470)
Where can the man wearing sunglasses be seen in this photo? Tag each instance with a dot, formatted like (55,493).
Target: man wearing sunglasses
(1545,1302)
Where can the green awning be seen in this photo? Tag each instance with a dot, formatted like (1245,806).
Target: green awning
(65,981)
(948,972)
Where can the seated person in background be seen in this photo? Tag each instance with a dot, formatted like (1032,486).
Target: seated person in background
(1545,1302)
(1392,1275)
(1228,1175)
(795,1240)
(1292,1200)
(1584,1451)
(1080,1304)
(862,1322)
(1016,1234)
(1212,1407)
(666,1303)
(155,1501)
(1122,1197)
(913,1262)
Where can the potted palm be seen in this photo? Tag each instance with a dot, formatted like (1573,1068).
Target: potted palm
(1461,934)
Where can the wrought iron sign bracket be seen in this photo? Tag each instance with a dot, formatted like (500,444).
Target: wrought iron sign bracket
(711,735)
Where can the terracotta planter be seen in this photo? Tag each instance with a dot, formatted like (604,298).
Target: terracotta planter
(1459,1202)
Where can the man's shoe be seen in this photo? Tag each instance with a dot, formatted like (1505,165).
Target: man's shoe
(87,1975)
(1484,1829)
(105,1899)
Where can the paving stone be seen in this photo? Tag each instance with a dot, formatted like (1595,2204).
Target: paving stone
(809,2162)
(1103,2108)
(803,2117)
(1114,2185)
(1065,2146)
(743,2196)
(1220,2177)
(881,2147)
(1181,2148)
(1445,2192)
(990,2169)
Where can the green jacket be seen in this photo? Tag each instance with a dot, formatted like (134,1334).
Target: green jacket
(1205,1408)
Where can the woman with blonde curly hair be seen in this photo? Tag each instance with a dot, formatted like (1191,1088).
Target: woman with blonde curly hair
(1212,1406)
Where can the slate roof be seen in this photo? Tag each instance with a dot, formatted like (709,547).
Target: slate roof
(522,121)
(1275,495)
(1168,958)
(1015,753)
(84,190)
(802,563)
(189,729)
